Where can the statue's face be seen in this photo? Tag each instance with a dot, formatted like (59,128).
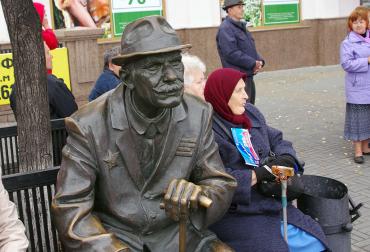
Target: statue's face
(158,80)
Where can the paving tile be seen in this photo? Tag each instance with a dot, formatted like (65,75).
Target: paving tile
(308,105)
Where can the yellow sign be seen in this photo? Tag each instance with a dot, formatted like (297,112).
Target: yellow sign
(6,77)
(61,65)
(60,69)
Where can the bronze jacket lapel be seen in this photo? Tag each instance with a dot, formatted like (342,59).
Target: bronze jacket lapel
(124,141)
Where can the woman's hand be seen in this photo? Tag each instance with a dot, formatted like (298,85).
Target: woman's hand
(254,178)
(262,174)
(283,160)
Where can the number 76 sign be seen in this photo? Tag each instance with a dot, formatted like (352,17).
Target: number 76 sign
(129,4)
(126,11)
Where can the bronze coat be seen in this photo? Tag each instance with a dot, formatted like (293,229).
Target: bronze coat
(103,202)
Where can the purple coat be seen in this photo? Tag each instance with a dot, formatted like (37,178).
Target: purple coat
(354,53)
(253,220)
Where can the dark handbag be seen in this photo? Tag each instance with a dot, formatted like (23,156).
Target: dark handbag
(273,189)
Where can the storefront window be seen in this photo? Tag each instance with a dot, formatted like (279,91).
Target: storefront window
(271,12)
(365,3)
(253,12)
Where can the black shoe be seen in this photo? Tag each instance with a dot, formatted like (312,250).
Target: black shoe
(359,159)
(366,153)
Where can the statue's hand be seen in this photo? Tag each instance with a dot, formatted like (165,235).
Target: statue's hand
(181,196)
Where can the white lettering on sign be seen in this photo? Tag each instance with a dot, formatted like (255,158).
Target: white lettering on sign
(130,4)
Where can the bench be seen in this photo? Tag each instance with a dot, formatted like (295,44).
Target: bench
(9,146)
(32,193)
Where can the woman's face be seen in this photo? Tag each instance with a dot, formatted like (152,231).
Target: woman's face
(238,99)
(359,26)
(198,81)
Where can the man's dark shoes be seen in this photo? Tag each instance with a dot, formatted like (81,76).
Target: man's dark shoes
(366,153)
(359,159)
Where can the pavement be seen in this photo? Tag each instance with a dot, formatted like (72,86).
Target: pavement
(308,105)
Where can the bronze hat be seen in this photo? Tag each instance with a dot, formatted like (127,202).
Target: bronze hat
(148,35)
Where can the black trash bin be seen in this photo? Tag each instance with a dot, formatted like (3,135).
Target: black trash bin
(327,201)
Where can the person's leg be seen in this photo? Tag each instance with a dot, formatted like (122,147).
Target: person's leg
(357,145)
(365,147)
(250,89)
(253,93)
(79,12)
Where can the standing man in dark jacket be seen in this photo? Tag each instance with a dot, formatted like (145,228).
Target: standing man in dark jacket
(236,46)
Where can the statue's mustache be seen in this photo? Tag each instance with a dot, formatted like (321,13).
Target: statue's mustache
(165,87)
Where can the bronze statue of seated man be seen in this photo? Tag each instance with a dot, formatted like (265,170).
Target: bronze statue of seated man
(140,147)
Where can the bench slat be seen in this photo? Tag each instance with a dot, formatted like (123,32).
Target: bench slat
(21,181)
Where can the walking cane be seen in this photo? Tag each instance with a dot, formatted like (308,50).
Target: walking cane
(283,173)
(204,202)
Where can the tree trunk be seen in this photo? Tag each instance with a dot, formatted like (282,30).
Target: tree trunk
(34,133)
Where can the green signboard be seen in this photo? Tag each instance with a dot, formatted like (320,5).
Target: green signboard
(126,11)
(120,19)
(285,13)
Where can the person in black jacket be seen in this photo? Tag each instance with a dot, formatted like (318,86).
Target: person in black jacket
(61,100)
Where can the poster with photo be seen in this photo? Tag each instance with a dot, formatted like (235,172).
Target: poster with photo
(365,3)
(86,13)
(269,12)
(252,12)
(112,15)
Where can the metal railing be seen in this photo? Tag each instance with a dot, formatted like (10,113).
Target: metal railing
(9,146)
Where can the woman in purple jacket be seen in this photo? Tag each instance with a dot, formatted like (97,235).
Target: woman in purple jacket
(355,60)
(253,221)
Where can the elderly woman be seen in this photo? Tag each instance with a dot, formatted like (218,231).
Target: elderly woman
(194,79)
(253,222)
(355,60)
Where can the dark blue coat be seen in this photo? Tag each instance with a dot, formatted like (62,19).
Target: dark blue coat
(108,80)
(236,47)
(253,220)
